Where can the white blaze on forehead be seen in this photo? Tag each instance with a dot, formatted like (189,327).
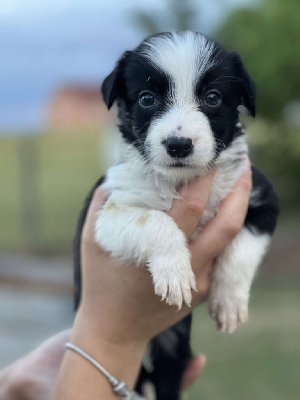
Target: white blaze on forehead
(184,56)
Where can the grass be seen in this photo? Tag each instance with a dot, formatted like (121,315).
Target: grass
(260,361)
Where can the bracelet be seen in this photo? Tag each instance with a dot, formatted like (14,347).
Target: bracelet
(119,387)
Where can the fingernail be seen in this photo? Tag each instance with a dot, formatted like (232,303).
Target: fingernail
(203,359)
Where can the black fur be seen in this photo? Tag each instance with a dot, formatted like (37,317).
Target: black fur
(168,366)
(263,211)
(77,243)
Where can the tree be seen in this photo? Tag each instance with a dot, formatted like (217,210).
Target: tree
(267,36)
(179,15)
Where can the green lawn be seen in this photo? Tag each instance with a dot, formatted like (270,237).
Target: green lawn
(260,361)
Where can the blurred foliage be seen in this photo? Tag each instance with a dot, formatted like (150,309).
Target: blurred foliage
(267,36)
(275,149)
(180,15)
(67,166)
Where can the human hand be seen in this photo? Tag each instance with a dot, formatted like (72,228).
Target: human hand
(34,376)
(119,300)
(119,312)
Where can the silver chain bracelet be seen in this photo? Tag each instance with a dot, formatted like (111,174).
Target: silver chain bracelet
(119,387)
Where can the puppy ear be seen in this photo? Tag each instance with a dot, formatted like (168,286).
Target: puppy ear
(109,88)
(113,83)
(248,92)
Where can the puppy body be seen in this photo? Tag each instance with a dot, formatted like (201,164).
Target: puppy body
(178,96)
(133,225)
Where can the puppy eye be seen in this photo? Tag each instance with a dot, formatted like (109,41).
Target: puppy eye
(213,98)
(147,99)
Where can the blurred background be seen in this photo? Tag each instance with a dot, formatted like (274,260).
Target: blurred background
(54,135)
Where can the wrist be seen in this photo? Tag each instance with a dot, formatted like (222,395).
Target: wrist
(114,322)
(79,379)
(118,352)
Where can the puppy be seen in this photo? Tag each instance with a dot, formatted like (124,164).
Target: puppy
(178,96)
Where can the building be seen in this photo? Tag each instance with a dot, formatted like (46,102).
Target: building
(78,107)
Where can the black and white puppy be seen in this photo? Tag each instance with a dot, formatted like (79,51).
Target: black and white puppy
(178,95)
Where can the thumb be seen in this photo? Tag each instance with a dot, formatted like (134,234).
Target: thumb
(192,371)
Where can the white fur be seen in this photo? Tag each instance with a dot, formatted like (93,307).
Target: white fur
(194,125)
(148,390)
(184,57)
(227,174)
(255,198)
(133,225)
(231,281)
(148,237)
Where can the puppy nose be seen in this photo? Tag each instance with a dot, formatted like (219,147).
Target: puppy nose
(179,147)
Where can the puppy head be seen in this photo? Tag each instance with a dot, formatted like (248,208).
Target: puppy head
(177,95)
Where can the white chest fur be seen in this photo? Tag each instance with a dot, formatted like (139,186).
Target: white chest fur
(132,185)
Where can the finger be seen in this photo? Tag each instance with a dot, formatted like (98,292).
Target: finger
(52,349)
(222,229)
(57,341)
(192,371)
(98,199)
(187,211)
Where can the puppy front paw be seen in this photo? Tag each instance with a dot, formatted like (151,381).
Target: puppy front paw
(173,282)
(228,310)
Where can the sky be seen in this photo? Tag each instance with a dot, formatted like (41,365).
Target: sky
(45,44)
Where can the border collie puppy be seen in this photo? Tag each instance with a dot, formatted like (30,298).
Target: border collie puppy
(178,95)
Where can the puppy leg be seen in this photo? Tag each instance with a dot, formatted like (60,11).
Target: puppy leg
(165,362)
(149,237)
(232,278)
(171,353)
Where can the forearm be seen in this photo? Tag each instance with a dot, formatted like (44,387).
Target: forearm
(79,379)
